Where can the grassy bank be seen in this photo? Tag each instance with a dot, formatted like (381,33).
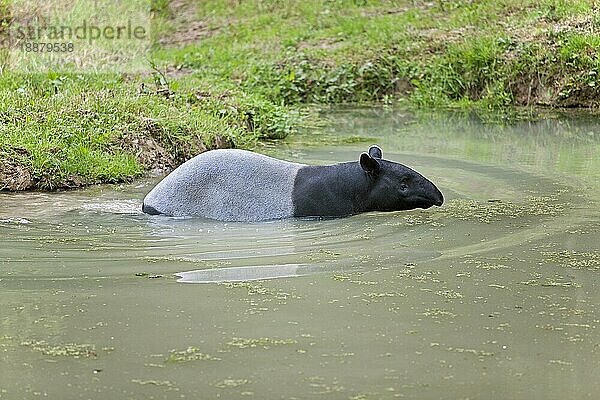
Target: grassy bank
(230,73)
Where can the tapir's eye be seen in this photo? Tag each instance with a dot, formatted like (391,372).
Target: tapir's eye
(403,187)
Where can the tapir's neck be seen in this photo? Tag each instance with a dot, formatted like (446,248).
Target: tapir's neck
(332,190)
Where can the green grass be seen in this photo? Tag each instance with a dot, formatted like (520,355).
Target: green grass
(230,72)
(457,54)
(84,129)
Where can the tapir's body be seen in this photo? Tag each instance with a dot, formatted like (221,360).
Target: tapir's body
(238,185)
(227,185)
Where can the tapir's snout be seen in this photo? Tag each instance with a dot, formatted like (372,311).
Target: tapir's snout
(431,196)
(438,198)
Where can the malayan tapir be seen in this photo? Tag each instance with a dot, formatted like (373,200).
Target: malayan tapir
(239,185)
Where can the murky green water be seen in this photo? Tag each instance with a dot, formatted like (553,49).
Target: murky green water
(495,295)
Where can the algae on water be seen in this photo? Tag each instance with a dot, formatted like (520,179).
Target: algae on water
(263,342)
(68,350)
(190,354)
(574,259)
(487,212)
(231,383)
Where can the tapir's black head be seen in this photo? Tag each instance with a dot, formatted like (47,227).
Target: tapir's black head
(395,187)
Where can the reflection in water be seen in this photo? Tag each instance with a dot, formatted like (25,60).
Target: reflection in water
(495,294)
(241,274)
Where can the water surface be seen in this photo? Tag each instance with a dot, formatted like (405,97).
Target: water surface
(494,295)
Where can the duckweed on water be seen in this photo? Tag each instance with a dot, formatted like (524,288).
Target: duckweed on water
(568,284)
(190,354)
(495,285)
(426,276)
(348,278)
(437,312)
(359,397)
(335,387)
(550,283)
(167,384)
(487,212)
(560,362)
(253,288)
(573,259)
(449,294)
(204,263)
(478,353)
(340,278)
(258,289)
(264,342)
(231,383)
(322,255)
(360,282)
(484,265)
(68,350)
(338,355)
(54,239)
(374,295)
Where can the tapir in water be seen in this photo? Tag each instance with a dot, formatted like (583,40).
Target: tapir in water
(239,185)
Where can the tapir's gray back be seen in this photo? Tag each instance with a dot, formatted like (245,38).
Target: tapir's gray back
(227,185)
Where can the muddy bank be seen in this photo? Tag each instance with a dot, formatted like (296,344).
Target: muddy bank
(16,173)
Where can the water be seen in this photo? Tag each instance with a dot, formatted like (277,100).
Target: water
(494,295)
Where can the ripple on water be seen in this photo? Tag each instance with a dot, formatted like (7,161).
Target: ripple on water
(114,234)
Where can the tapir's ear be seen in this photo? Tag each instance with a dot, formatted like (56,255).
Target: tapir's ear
(375,151)
(369,164)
